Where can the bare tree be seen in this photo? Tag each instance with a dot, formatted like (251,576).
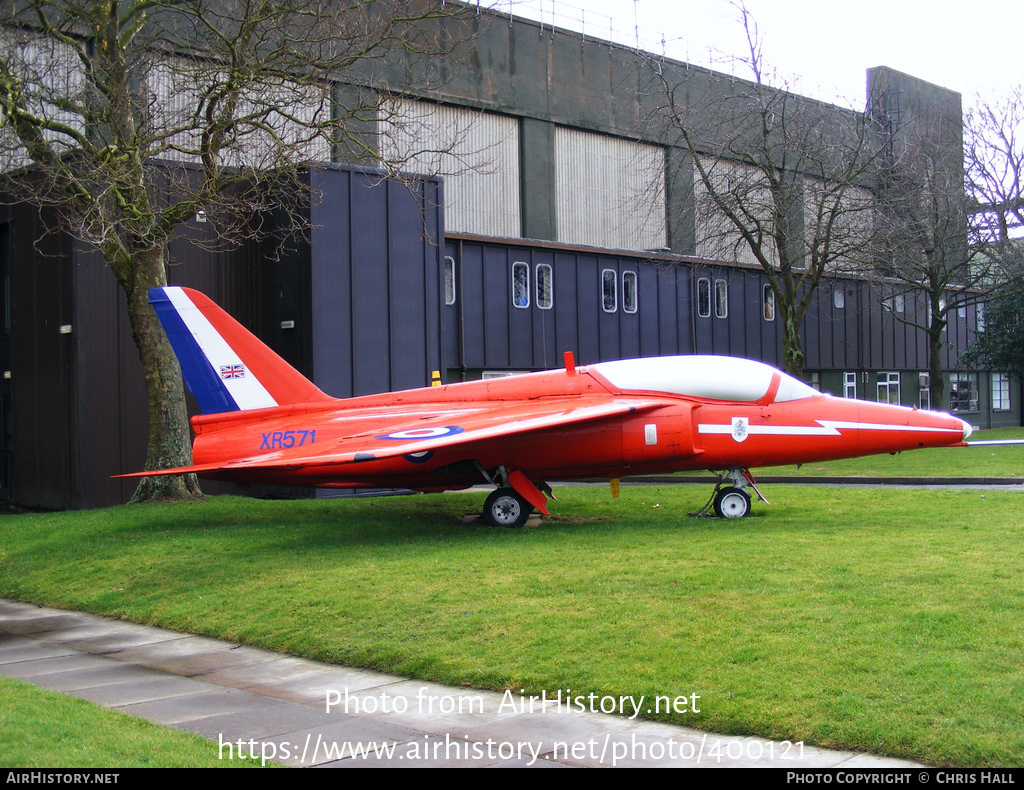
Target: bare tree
(994,160)
(779,179)
(94,92)
(947,197)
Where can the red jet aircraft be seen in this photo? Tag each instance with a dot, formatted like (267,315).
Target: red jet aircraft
(263,422)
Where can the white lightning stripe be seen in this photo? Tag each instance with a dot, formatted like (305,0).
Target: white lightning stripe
(246,390)
(824,428)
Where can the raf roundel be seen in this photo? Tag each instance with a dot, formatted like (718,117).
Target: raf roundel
(423,433)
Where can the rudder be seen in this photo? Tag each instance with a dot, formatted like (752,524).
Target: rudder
(225,366)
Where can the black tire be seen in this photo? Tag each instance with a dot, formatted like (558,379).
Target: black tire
(732,502)
(505,508)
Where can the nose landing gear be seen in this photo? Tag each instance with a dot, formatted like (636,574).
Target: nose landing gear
(732,502)
(731,498)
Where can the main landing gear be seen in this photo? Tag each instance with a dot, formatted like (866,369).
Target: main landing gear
(505,508)
(731,498)
(515,498)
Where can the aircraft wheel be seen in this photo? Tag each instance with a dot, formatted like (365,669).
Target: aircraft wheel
(505,508)
(732,502)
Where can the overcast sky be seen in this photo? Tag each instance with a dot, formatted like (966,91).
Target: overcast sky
(826,48)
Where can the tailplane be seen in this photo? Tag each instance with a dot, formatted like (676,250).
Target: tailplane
(225,366)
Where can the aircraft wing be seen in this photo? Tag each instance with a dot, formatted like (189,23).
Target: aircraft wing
(408,436)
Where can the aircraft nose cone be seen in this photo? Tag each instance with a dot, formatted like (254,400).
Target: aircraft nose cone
(968,429)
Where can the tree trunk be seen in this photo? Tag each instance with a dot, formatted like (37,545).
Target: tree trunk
(936,385)
(170,439)
(792,349)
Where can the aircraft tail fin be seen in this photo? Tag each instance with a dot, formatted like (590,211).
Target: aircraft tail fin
(225,366)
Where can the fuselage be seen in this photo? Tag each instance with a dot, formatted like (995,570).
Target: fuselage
(685,413)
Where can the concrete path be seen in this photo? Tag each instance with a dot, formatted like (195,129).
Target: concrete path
(303,713)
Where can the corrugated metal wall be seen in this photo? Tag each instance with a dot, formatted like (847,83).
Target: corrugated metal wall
(610,191)
(476,152)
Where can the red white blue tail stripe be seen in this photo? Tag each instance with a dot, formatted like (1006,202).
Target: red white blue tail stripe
(213,370)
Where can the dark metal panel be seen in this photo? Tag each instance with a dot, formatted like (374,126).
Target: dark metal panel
(853,335)
(876,335)
(703,326)
(371,318)
(901,353)
(431,208)
(923,351)
(629,323)
(472,304)
(497,301)
(676,310)
(956,336)
(752,328)
(40,362)
(817,333)
(883,327)
(408,290)
(588,307)
(329,321)
(648,312)
(111,422)
(449,327)
(6,410)
(546,351)
(566,304)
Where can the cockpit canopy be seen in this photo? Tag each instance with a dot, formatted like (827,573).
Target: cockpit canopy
(717,378)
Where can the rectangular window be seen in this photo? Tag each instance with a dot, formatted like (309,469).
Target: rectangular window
(889,388)
(849,385)
(963,392)
(721,299)
(609,291)
(979,316)
(768,303)
(839,299)
(704,297)
(449,280)
(520,284)
(924,398)
(894,304)
(545,286)
(1000,392)
(629,300)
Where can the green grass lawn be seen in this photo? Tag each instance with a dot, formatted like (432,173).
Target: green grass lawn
(44,729)
(884,620)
